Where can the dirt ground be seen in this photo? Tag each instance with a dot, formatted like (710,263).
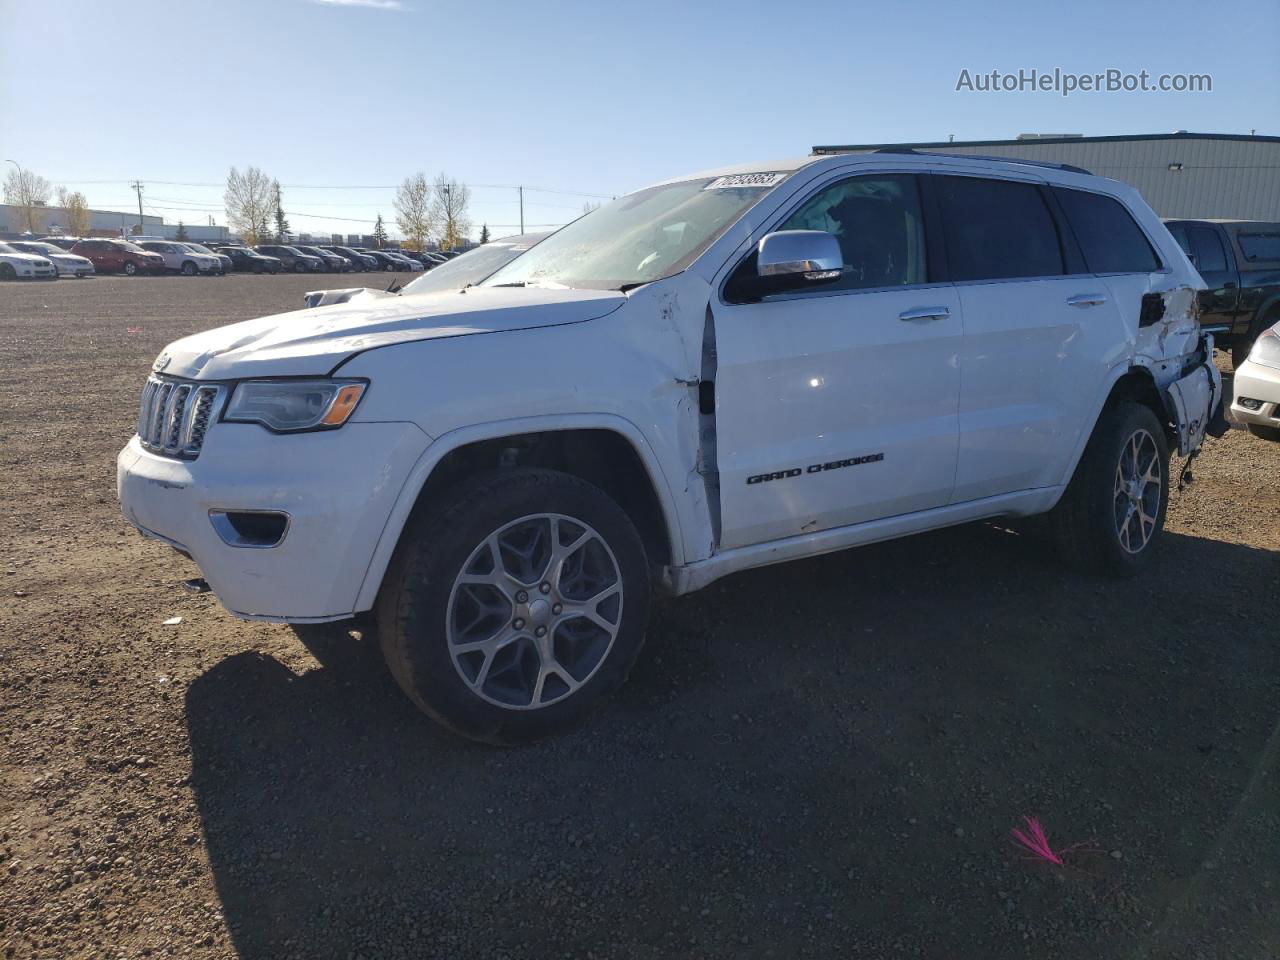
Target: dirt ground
(816,760)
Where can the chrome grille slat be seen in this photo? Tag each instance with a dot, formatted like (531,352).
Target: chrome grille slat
(174,415)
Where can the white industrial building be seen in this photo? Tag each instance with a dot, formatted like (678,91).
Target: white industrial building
(103,223)
(1184,175)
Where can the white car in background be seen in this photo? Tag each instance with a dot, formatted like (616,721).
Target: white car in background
(16,265)
(67,264)
(1255,398)
(181,260)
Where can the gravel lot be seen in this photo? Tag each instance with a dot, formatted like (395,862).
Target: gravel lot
(822,759)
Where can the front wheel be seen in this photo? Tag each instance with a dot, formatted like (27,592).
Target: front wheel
(1113,510)
(513,606)
(7,272)
(188,269)
(130,268)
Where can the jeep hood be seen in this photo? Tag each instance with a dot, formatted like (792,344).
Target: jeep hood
(311,342)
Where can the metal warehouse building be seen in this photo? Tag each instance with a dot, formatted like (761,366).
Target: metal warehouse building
(1195,175)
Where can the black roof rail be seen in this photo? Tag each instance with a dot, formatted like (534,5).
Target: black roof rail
(977,156)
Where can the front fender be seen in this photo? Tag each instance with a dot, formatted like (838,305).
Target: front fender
(446,443)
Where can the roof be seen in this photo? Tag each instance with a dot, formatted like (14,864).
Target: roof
(1040,141)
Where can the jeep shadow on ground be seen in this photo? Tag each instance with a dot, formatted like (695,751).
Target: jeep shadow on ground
(817,759)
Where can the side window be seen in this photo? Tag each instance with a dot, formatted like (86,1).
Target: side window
(997,229)
(1179,234)
(1109,238)
(1209,253)
(1260,246)
(878,223)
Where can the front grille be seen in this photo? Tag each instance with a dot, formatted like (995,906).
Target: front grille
(174,415)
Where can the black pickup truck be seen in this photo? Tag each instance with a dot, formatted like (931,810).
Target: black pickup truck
(1240,263)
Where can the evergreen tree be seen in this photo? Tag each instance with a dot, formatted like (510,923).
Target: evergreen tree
(484,233)
(282,225)
(181,235)
(379,234)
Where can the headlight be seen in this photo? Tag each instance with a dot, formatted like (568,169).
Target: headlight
(290,405)
(1266,349)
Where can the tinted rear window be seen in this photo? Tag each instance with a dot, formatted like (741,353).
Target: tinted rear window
(1260,246)
(1209,253)
(1109,238)
(997,229)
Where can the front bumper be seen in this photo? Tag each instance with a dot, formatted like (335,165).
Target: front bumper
(337,487)
(1260,383)
(72,269)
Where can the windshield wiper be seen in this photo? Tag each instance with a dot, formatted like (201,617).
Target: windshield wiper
(514,283)
(628,287)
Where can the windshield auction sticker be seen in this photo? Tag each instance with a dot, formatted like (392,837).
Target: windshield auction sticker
(746,180)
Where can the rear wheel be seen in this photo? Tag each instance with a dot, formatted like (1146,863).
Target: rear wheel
(1263,432)
(1113,510)
(515,605)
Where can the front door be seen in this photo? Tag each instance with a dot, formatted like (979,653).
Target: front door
(837,405)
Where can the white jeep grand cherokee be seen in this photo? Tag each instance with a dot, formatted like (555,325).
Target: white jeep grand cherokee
(713,373)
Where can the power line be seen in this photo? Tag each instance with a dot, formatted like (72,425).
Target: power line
(360,186)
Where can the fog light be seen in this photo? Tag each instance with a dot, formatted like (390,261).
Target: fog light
(1250,404)
(250,528)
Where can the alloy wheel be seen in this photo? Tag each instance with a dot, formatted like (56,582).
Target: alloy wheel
(534,611)
(1139,477)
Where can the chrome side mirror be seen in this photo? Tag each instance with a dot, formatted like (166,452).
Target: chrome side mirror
(799,257)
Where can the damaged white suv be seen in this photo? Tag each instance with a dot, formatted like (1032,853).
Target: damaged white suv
(713,373)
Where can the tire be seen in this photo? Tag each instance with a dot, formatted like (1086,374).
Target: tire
(130,268)
(1094,525)
(7,272)
(507,695)
(299,267)
(1263,432)
(188,269)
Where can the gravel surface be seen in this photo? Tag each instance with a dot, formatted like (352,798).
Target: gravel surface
(817,760)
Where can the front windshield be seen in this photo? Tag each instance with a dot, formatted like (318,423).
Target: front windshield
(5,248)
(197,248)
(639,238)
(131,247)
(470,268)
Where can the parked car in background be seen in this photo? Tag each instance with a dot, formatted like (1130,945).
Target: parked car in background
(418,257)
(712,374)
(457,274)
(291,257)
(225,263)
(245,260)
(384,261)
(408,263)
(17,265)
(1255,387)
(120,256)
(66,243)
(67,264)
(179,259)
(332,262)
(358,261)
(1239,261)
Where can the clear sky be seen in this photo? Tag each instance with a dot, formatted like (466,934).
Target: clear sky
(582,97)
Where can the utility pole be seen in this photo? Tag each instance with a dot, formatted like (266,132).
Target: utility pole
(521,189)
(137,185)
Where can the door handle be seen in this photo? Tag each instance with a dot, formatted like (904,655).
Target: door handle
(1087,300)
(925,313)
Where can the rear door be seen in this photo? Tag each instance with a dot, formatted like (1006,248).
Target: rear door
(837,405)
(1036,334)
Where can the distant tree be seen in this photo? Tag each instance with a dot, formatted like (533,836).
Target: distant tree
(282,225)
(249,199)
(415,213)
(181,235)
(136,230)
(379,234)
(588,207)
(451,201)
(29,192)
(484,233)
(76,208)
